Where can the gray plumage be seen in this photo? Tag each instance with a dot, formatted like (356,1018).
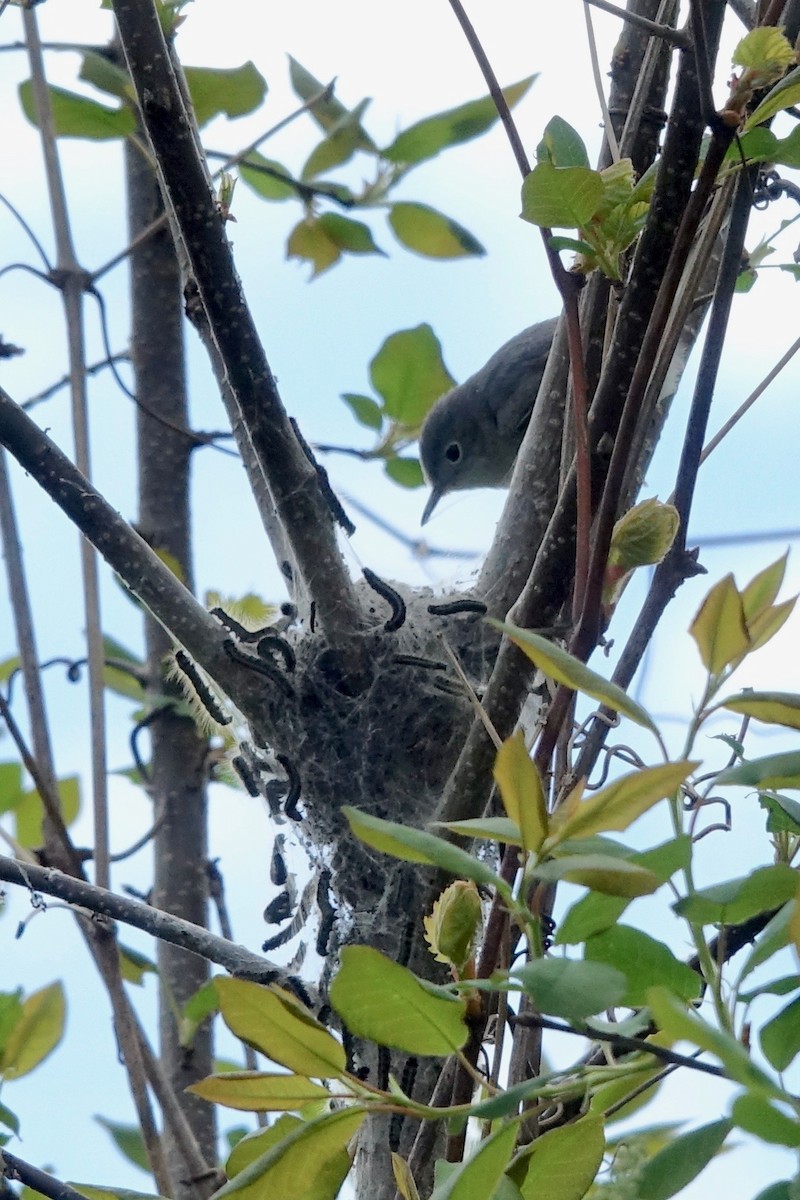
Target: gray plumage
(471,436)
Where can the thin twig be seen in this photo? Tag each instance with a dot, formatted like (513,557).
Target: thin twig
(675,37)
(495,91)
(747,404)
(608,128)
(628,1044)
(18,217)
(72,292)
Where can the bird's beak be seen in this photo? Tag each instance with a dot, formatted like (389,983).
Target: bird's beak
(433,500)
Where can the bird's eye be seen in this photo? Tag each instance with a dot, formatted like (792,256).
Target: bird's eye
(453,452)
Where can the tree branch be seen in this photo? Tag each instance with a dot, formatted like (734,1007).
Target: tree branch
(292,480)
(238,960)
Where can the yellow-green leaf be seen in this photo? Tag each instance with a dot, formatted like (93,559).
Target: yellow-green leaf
(293,1167)
(382,1001)
(491,829)
(600,873)
(762,590)
(773,708)
(432,134)
(562,1164)
(561,197)
(258,1091)
(765,625)
(719,628)
(566,669)
(253,1145)
(310,242)
(481,1173)
(521,790)
(36,1032)
(416,845)
(430,233)
(403,1178)
(273,1022)
(618,805)
(29,812)
(409,374)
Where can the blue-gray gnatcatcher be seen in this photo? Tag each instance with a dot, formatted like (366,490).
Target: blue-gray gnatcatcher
(471,436)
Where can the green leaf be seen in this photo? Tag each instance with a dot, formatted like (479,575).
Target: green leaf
(78,116)
(365,410)
(233,91)
(521,791)
(783,95)
(774,937)
(258,1091)
(354,237)
(409,374)
(784,813)
(561,145)
(36,1032)
(780,1037)
(98,69)
(719,628)
(492,829)
(573,990)
(405,471)
(778,987)
(415,845)
(601,873)
(293,1168)
(773,708)
(197,1008)
(428,137)
(269,179)
(129,683)
(737,900)
(644,962)
(672,1016)
(29,812)
(561,1164)
(618,805)
(562,667)
(9,1119)
(681,1161)
(328,111)
(128,1140)
(778,1191)
(273,1022)
(343,140)
(135,966)
(596,912)
(480,1175)
(560,197)
(774,771)
(386,1003)
(764,1120)
(430,233)
(11,791)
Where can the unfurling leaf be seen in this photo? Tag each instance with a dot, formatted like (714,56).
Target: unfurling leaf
(451,929)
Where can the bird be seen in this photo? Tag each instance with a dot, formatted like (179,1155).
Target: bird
(471,435)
